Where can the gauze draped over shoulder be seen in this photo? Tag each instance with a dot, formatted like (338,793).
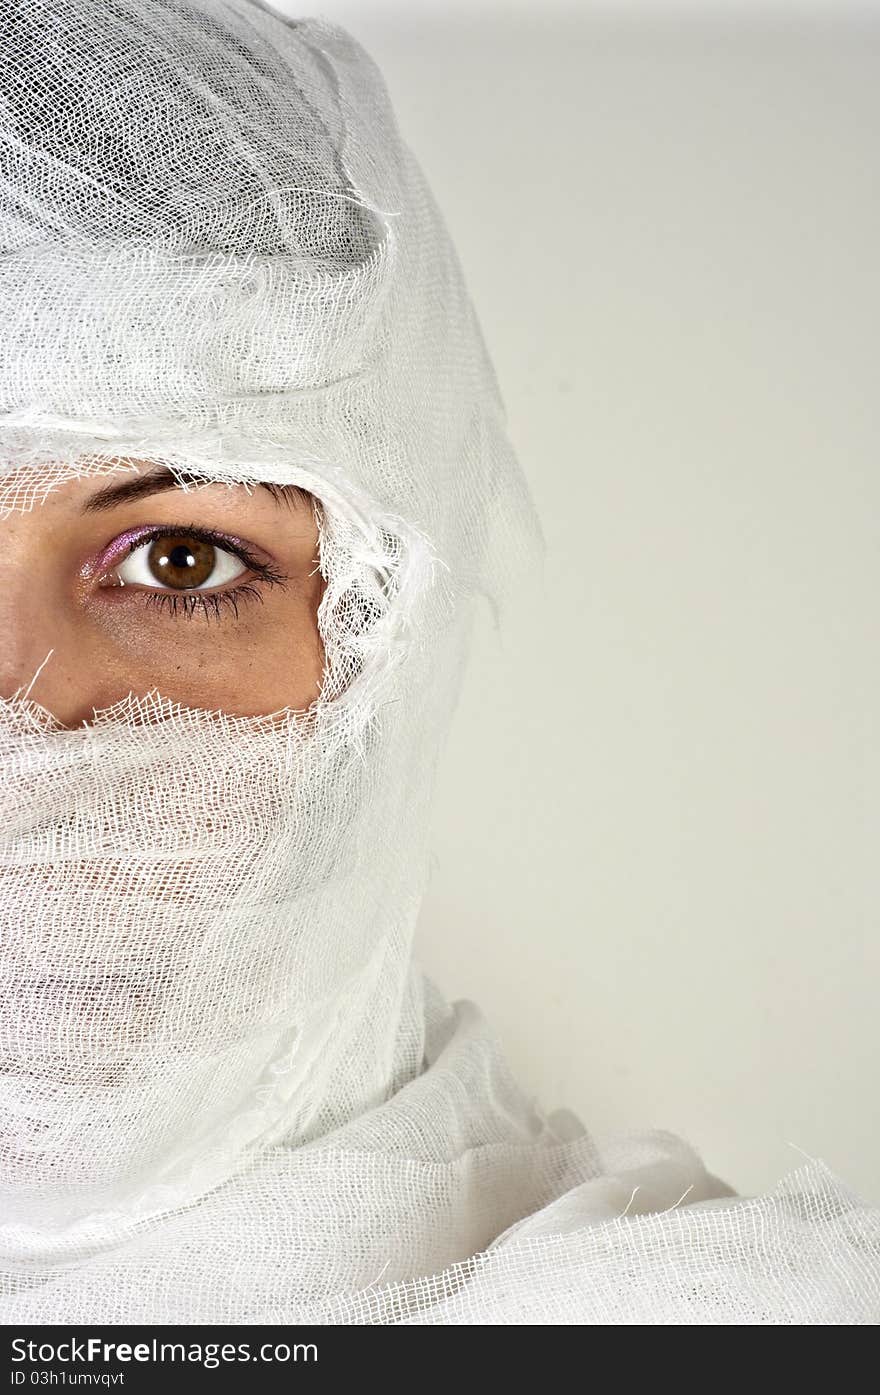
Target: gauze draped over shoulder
(227,1092)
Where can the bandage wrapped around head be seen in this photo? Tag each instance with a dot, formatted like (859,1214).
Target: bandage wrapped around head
(219,255)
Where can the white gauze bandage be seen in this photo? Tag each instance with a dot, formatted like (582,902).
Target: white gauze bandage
(227,1094)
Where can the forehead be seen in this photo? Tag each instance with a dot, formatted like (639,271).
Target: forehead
(100,484)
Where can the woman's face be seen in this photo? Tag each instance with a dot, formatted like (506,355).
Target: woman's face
(209,595)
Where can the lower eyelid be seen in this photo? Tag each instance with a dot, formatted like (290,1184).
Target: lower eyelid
(139,601)
(187,602)
(193,603)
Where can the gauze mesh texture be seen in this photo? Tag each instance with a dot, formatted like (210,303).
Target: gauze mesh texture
(227,1094)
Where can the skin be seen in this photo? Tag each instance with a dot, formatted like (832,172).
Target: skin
(246,652)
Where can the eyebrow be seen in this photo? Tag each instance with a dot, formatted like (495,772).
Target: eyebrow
(158,481)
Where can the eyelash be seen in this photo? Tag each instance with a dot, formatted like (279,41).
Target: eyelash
(210,602)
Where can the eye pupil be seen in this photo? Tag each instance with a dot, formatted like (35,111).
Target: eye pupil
(181,561)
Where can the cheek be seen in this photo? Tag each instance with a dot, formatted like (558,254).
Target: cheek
(297,656)
(270,657)
(280,667)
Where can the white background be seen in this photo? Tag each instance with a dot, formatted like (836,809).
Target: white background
(657,830)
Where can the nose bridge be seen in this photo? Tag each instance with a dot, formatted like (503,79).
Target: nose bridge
(31,619)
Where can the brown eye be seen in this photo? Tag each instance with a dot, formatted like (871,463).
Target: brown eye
(179,562)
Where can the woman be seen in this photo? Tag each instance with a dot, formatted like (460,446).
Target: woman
(254,477)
